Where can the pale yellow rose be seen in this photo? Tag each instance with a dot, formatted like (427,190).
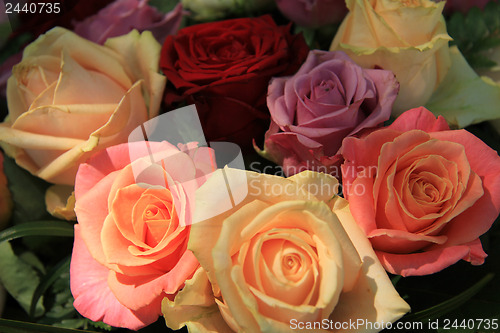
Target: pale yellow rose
(69,98)
(289,257)
(407,37)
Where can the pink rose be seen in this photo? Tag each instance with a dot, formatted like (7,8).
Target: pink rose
(422,193)
(313,13)
(130,247)
(329,98)
(122,16)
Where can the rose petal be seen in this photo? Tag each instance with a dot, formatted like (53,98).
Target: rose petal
(94,299)
(136,292)
(432,261)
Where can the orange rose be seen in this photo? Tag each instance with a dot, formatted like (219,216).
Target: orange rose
(133,226)
(423,194)
(69,98)
(282,260)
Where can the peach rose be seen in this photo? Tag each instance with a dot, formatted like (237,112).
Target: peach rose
(423,194)
(134,219)
(406,37)
(69,98)
(282,260)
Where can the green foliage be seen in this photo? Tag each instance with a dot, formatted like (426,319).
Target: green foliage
(164,6)
(12,326)
(37,229)
(14,45)
(28,193)
(19,278)
(475,33)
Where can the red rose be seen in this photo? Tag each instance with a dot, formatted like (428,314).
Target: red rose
(224,68)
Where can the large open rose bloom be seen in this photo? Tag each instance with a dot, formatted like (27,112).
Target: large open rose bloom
(279,256)
(423,194)
(224,68)
(330,97)
(408,38)
(69,98)
(134,219)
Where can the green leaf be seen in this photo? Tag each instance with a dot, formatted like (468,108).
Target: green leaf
(464,98)
(308,33)
(450,304)
(12,326)
(71,323)
(164,6)
(47,280)
(28,193)
(395,279)
(18,277)
(474,19)
(476,33)
(100,325)
(13,46)
(38,228)
(491,16)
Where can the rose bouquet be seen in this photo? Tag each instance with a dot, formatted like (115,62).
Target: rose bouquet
(250,166)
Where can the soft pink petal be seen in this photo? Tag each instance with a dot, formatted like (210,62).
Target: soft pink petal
(486,163)
(398,241)
(137,292)
(430,262)
(419,118)
(94,299)
(91,209)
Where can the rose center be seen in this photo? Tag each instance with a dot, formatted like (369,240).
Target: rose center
(156,224)
(291,264)
(232,51)
(425,191)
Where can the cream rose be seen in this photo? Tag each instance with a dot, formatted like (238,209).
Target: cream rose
(69,98)
(407,37)
(290,256)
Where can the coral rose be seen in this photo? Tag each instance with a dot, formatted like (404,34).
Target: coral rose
(130,246)
(408,38)
(69,98)
(329,98)
(283,260)
(224,68)
(423,194)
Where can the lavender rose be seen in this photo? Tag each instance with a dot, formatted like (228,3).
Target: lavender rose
(121,16)
(328,99)
(315,13)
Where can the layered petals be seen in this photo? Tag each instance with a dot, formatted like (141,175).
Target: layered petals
(423,194)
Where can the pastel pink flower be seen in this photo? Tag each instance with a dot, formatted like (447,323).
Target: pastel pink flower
(122,16)
(134,219)
(422,193)
(330,97)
